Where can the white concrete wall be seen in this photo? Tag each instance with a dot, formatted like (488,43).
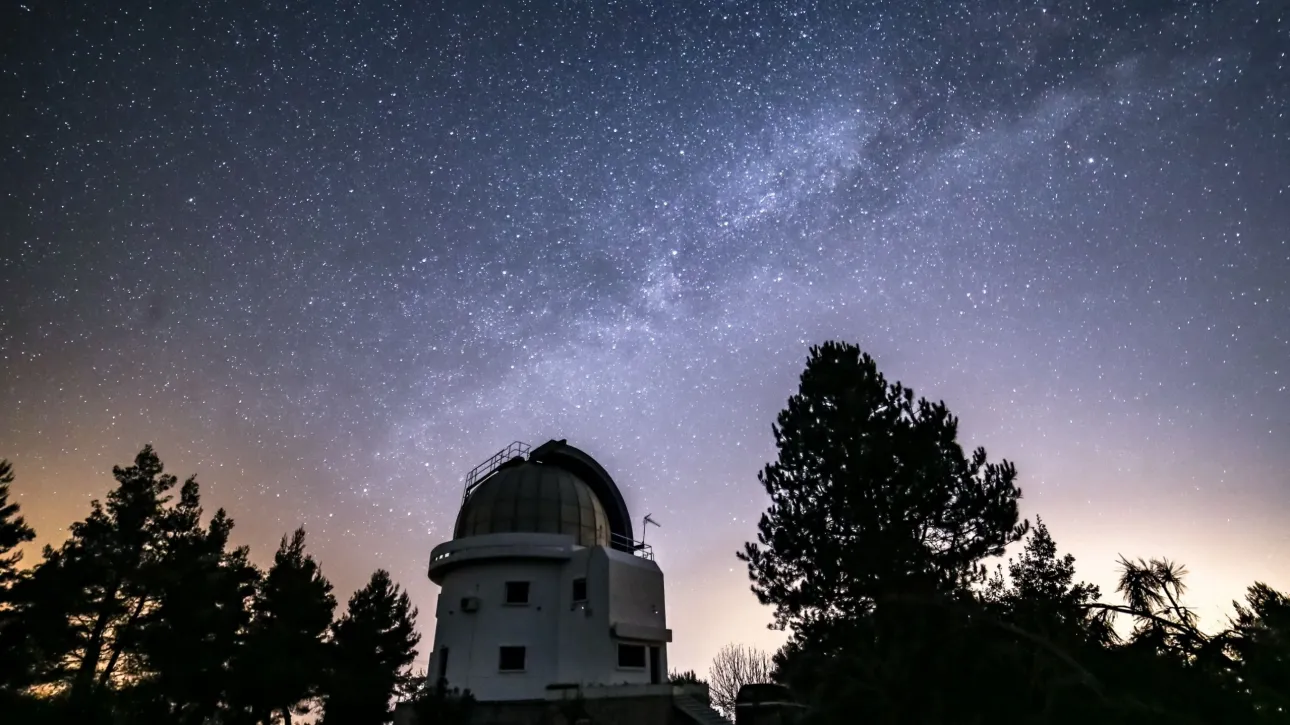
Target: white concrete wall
(636,593)
(473,639)
(636,597)
(584,627)
(566,642)
(588,649)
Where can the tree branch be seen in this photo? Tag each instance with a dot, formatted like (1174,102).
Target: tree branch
(1184,628)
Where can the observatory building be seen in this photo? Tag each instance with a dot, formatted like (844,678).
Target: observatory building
(544,582)
(547,598)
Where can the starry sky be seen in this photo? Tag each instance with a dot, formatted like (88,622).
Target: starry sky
(329,256)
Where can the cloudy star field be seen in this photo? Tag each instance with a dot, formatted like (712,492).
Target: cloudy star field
(329,256)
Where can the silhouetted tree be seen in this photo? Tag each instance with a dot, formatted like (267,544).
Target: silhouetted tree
(1153,591)
(14,532)
(1168,670)
(15,656)
(1038,625)
(373,646)
(687,677)
(734,666)
(1016,653)
(1260,641)
(1040,593)
(284,660)
(872,497)
(87,601)
(871,552)
(146,615)
(189,639)
(876,517)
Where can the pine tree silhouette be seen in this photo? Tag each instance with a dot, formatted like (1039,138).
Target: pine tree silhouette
(102,583)
(15,656)
(189,639)
(284,660)
(14,530)
(373,646)
(872,497)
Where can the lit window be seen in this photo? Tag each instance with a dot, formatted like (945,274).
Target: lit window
(510,659)
(517,592)
(579,590)
(631,656)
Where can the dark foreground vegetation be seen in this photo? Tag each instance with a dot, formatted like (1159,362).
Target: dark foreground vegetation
(145,615)
(874,554)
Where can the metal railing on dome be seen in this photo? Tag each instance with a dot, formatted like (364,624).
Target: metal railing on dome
(477,474)
(639,548)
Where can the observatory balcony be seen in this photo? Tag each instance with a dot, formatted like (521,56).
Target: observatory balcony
(476,476)
(536,545)
(638,548)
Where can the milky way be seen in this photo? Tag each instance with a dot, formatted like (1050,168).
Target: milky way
(330,255)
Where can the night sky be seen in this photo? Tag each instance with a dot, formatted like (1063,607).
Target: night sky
(329,256)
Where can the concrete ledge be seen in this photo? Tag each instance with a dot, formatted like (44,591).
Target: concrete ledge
(450,554)
(640,632)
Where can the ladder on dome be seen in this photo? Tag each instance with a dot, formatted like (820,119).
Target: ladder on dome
(477,474)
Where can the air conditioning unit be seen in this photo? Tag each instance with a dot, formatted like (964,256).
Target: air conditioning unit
(470,604)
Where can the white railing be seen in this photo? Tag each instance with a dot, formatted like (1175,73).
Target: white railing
(485,469)
(639,548)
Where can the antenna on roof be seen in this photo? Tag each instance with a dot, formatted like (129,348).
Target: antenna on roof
(645,525)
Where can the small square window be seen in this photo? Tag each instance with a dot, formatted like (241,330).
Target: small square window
(580,590)
(517,592)
(631,656)
(510,659)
